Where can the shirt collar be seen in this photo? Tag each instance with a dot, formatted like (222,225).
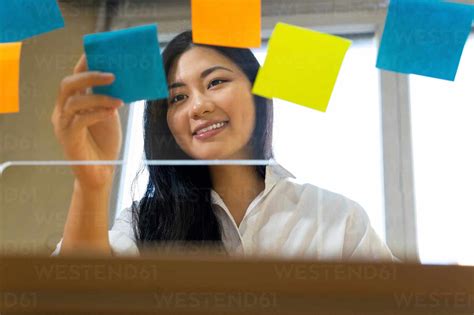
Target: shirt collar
(274,172)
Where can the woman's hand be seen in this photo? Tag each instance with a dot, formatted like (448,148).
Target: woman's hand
(88,126)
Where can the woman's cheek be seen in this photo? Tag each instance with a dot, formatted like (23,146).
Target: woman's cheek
(176,128)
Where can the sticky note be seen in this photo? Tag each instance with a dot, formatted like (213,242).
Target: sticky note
(232,23)
(133,56)
(22,19)
(9,77)
(425,37)
(301,66)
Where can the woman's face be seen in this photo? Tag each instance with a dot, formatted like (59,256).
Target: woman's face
(209,89)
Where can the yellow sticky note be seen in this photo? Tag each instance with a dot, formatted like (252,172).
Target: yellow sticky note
(233,23)
(9,77)
(301,66)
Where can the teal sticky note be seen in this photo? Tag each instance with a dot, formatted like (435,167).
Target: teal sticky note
(133,56)
(425,37)
(22,19)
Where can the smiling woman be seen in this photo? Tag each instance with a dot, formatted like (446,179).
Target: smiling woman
(209,87)
(211,107)
(246,209)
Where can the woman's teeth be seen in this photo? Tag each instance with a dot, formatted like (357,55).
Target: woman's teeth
(212,127)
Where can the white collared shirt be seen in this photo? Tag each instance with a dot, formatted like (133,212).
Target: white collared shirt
(287,219)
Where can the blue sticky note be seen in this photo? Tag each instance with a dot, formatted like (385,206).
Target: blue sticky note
(133,56)
(22,19)
(425,37)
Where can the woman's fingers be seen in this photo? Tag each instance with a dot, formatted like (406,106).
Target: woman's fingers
(81,65)
(78,83)
(85,103)
(86,119)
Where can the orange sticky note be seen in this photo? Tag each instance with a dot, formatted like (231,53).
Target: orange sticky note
(10,77)
(232,23)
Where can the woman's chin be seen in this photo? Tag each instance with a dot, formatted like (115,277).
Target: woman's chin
(217,152)
(210,156)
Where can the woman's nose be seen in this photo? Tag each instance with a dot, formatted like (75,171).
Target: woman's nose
(200,106)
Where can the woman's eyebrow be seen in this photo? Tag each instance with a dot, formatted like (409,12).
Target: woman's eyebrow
(204,74)
(207,72)
(176,85)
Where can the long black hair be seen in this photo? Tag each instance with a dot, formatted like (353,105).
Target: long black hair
(177,203)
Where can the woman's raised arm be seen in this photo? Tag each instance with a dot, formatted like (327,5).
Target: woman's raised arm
(88,128)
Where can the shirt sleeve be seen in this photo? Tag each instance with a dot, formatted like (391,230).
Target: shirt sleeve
(121,237)
(361,242)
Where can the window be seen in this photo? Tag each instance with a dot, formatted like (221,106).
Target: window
(443,130)
(134,176)
(340,150)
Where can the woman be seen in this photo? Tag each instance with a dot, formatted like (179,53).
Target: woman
(210,114)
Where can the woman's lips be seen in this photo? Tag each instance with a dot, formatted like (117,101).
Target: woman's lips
(210,133)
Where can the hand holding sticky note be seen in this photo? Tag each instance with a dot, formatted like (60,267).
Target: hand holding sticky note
(21,19)
(9,77)
(232,23)
(425,37)
(301,66)
(133,56)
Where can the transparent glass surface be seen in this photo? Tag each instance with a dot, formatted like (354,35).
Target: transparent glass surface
(340,150)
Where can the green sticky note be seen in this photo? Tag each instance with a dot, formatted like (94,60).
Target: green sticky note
(301,66)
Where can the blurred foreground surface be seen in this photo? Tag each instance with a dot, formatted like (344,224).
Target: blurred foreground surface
(209,283)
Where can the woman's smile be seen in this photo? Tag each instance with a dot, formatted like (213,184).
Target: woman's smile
(210,131)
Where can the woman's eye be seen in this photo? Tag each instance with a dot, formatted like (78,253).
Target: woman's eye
(177,98)
(215,82)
